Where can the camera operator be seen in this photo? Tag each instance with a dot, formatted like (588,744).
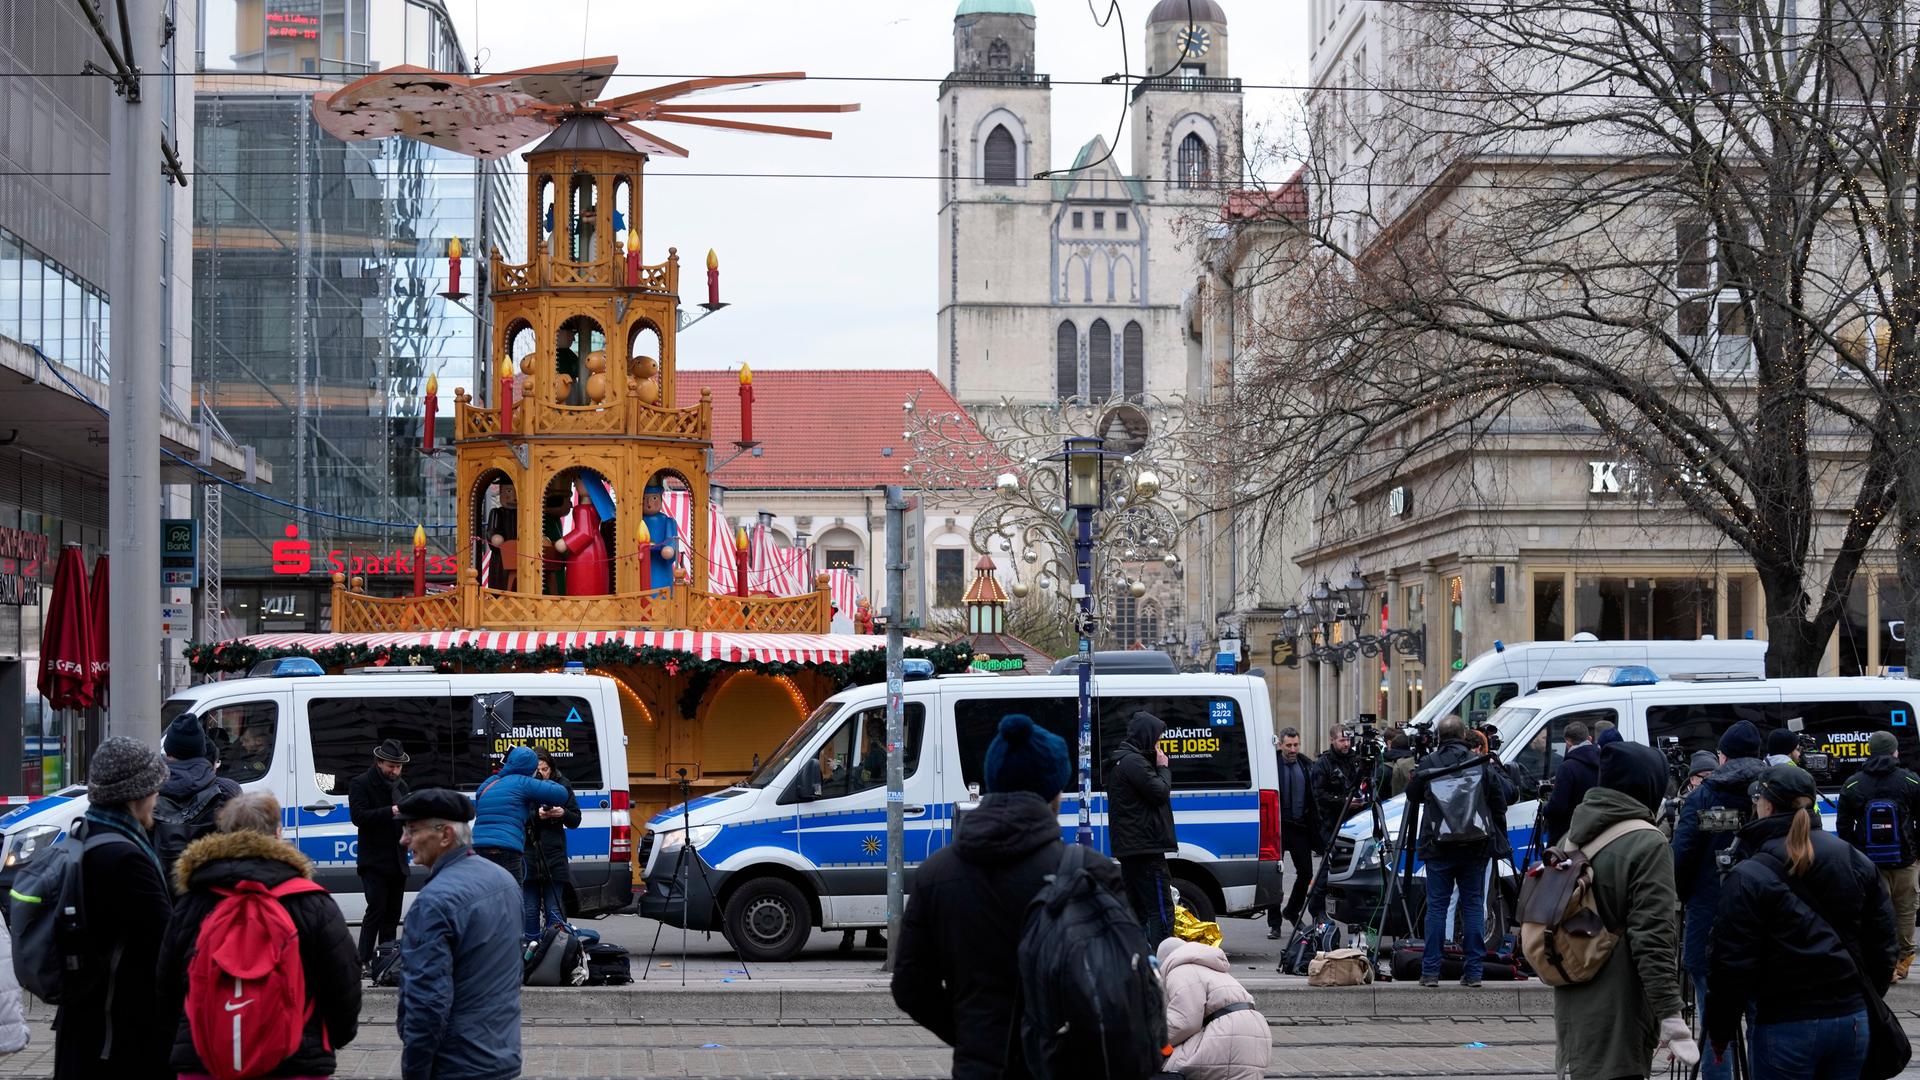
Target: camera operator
(1463,826)
(1783,747)
(1300,835)
(1709,819)
(1886,797)
(1579,770)
(1699,767)
(1336,797)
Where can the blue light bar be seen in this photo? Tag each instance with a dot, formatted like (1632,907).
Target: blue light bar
(1619,675)
(286,667)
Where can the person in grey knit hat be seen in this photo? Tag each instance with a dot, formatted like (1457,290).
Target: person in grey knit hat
(127,905)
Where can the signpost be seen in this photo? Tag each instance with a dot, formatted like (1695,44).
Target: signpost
(180,553)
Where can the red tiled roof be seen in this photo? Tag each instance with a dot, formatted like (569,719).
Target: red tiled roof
(819,428)
(1286,202)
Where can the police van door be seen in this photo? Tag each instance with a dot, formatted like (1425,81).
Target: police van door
(843,817)
(343,725)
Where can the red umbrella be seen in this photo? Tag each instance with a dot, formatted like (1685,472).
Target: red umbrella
(101,653)
(66,637)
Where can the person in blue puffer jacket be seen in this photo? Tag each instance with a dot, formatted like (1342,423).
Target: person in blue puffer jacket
(505,801)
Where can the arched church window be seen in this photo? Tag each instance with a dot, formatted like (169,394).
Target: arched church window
(1066,343)
(999,57)
(1099,361)
(1193,169)
(1001,160)
(1133,365)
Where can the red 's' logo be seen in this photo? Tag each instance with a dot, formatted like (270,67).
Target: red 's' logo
(292,555)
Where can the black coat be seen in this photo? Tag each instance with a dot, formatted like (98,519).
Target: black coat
(1495,793)
(371,799)
(1579,770)
(329,960)
(1881,778)
(1769,947)
(127,905)
(1139,796)
(1310,817)
(547,840)
(1334,776)
(957,966)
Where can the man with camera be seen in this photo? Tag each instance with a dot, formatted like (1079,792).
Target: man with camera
(1337,795)
(1462,799)
(1879,806)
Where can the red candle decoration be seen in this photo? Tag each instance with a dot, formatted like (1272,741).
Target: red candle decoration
(713,278)
(431,411)
(453,267)
(744,558)
(506,401)
(633,257)
(746,405)
(419,560)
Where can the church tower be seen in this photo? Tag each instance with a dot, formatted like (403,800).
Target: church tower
(1187,122)
(995,122)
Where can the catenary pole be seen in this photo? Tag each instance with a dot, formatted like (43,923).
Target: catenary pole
(133,422)
(896,686)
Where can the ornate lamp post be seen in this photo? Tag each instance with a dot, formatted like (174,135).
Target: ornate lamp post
(1326,606)
(1085,488)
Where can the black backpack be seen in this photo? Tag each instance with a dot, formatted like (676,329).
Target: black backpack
(555,958)
(1093,1001)
(46,918)
(177,824)
(1307,942)
(1454,808)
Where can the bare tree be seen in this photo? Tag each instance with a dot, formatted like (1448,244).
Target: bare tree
(1682,229)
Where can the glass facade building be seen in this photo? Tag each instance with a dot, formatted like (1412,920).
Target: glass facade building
(318,269)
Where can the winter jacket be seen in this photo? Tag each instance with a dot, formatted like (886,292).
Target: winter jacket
(1608,1027)
(185,781)
(1495,793)
(127,906)
(328,959)
(956,965)
(547,839)
(1398,766)
(13,1020)
(1694,849)
(1881,778)
(508,798)
(459,1008)
(1199,980)
(1786,955)
(1309,815)
(1578,772)
(1333,779)
(1139,795)
(371,799)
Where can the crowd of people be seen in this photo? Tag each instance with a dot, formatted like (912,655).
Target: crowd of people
(173,906)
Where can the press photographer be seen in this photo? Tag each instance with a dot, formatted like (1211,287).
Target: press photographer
(1337,795)
(1463,800)
(1578,771)
(1879,806)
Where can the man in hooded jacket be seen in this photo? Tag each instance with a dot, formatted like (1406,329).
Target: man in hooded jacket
(1140,820)
(1610,1025)
(1709,819)
(1579,770)
(193,793)
(504,802)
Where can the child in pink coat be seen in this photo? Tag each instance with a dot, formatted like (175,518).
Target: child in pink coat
(1215,1031)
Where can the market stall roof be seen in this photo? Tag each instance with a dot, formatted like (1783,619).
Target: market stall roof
(723,647)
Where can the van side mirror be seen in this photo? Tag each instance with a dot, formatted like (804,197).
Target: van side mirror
(805,788)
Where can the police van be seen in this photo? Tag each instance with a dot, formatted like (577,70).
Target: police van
(1678,716)
(802,842)
(304,736)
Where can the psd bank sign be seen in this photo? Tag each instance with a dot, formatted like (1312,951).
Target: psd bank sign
(294,556)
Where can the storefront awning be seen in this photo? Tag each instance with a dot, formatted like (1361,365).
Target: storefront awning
(723,647)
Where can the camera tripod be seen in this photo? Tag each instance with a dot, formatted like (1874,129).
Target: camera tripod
(1362,789)
(683,880)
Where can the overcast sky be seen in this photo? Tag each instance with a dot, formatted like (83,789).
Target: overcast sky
(837,272)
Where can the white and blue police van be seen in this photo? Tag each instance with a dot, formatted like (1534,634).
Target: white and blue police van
(801,843)
(1835,716)
(304,736)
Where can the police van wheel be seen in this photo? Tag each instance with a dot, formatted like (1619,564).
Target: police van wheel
(1195,899)
(768,919)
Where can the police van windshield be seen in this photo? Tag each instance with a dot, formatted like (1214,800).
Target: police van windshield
(772,767)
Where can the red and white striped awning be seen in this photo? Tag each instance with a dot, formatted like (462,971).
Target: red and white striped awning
(726,647)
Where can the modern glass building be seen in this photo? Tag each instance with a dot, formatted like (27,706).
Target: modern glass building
(318,269)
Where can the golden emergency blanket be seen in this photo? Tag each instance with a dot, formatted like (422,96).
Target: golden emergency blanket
(1188,928)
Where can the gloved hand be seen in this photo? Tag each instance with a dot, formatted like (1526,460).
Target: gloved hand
(1676,1038)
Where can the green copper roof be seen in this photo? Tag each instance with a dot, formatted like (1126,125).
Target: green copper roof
(994,7)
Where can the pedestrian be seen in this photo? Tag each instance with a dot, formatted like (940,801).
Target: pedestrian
(115,1030)
(1801,917)
(956,965)
(1610,1025)
(1708,820)
(1606,734)
(247,848)
(1463,827)
(1337,795)
(1579,770)
(1699,767)
(192,797)
(1212,1025)
(505,801)
(1140,820)
(460,968)
(1783,747)
(1299,830)
(373,799)
(543,897)
(1399,761)
(1879,808)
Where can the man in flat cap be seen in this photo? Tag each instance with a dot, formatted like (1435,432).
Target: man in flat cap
(374,801)
(459,1012)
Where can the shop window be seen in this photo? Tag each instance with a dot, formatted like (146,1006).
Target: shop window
(949,577)
(854,758)
(1644,609)
(1549,607)
(840,558)
(244,736)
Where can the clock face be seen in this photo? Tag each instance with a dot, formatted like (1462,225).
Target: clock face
(1196,40)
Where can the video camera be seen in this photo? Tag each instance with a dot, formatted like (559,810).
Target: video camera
(1811,759)
(1678,760)
(1367,741)
(1421,739)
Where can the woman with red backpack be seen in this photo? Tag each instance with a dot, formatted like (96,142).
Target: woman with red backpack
(257,964)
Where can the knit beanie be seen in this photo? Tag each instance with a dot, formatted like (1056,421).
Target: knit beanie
(1742,740)
(1702,761)
(1611,735)
(185,738)
(1023,757)
(1882,744)
(1781,741)
(123,770)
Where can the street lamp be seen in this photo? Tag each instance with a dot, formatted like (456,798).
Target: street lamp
(1085,469)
